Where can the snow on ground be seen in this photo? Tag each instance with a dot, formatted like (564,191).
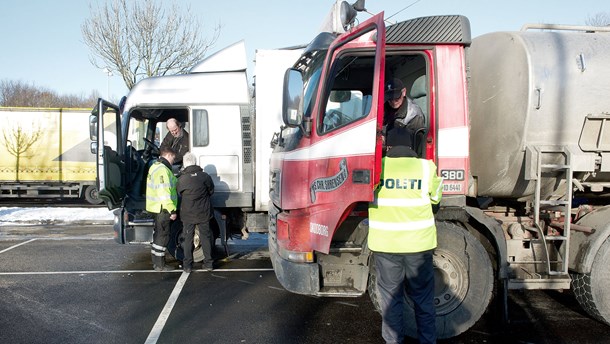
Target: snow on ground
(16,216)
(53,215)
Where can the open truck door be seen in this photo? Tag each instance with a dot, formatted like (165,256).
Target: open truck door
(348,126)
(105,134)
(333,106)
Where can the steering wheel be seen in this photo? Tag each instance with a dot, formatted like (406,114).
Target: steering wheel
(333,119)
(153,148)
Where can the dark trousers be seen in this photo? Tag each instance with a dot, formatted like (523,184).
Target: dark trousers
(161,234)
(205,239)
(399,275)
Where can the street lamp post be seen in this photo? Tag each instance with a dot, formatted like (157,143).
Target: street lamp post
(109,74)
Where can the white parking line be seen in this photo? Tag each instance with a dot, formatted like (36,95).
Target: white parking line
(14,246)
(153,337)
(122,272)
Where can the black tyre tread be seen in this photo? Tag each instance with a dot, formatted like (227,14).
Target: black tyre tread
(590,288)
(581,287)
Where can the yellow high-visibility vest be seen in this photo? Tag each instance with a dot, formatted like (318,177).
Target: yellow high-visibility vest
(161,189)
(400,217)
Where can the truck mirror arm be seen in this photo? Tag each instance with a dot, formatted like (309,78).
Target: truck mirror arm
(277,139)
(306,126)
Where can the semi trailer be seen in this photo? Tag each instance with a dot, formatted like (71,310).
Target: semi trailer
(45,154)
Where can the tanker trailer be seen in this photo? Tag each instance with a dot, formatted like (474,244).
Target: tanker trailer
(539,146)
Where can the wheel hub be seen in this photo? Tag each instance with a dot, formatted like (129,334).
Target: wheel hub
(450,282)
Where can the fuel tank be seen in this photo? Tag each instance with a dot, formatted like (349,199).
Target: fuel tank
(533,89)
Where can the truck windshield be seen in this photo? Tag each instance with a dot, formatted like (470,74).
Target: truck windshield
(312,69)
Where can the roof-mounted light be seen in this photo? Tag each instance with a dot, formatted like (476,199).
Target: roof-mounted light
(348,13)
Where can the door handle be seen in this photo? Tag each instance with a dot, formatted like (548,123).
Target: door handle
(361,177)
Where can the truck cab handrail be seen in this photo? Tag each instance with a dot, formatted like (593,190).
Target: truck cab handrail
(533,26)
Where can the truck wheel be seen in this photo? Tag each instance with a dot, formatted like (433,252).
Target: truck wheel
(91,195)
(463,279)
(174,245)
(591,289)
(197,251)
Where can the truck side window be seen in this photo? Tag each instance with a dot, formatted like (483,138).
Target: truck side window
(110,131)
(349,98)
(137,130)
(345,108)
(201,133)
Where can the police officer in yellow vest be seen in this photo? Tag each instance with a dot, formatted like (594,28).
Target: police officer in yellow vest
(162,201)
(402,235)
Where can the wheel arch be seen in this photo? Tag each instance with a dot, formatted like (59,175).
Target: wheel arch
(479,224)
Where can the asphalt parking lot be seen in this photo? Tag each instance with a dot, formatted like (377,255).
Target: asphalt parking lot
(74,284)
(84,288)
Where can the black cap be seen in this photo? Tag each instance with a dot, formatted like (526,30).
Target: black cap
(393,89)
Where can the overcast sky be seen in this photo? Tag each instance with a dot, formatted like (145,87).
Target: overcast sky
(42,43)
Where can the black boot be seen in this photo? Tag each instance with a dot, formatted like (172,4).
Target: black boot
(155,261)
(159,264)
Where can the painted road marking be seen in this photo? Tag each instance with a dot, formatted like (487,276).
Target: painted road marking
(14,246)
(153,337)
(124,272)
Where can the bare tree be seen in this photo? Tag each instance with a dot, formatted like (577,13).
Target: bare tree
(139,39)
(19,141)
(19,93)
(598,19)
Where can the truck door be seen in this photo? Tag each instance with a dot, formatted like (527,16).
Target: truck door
(346,144)
(105,132)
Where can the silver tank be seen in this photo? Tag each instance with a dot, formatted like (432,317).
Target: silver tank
(532,88)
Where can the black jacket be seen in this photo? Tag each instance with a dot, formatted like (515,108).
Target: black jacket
(195,187)
(180,145)
(407,115)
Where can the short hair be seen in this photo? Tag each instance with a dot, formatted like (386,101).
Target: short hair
(189,159)
(176,122)
(399,136)
(167,151)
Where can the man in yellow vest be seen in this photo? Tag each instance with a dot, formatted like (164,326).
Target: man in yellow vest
(162,201)
(402,235)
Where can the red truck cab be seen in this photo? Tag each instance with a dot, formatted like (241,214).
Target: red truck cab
(326,163)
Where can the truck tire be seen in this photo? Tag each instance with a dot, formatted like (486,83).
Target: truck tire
(463,277)
(591,289)
(174,245)
(91,195)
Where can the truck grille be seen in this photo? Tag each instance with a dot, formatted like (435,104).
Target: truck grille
(246,134)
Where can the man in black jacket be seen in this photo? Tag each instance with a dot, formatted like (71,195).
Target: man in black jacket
(177,139)
(399,109)
(195,187)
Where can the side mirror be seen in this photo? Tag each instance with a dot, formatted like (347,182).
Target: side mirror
(93,147)
(93,125)
(292,103)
